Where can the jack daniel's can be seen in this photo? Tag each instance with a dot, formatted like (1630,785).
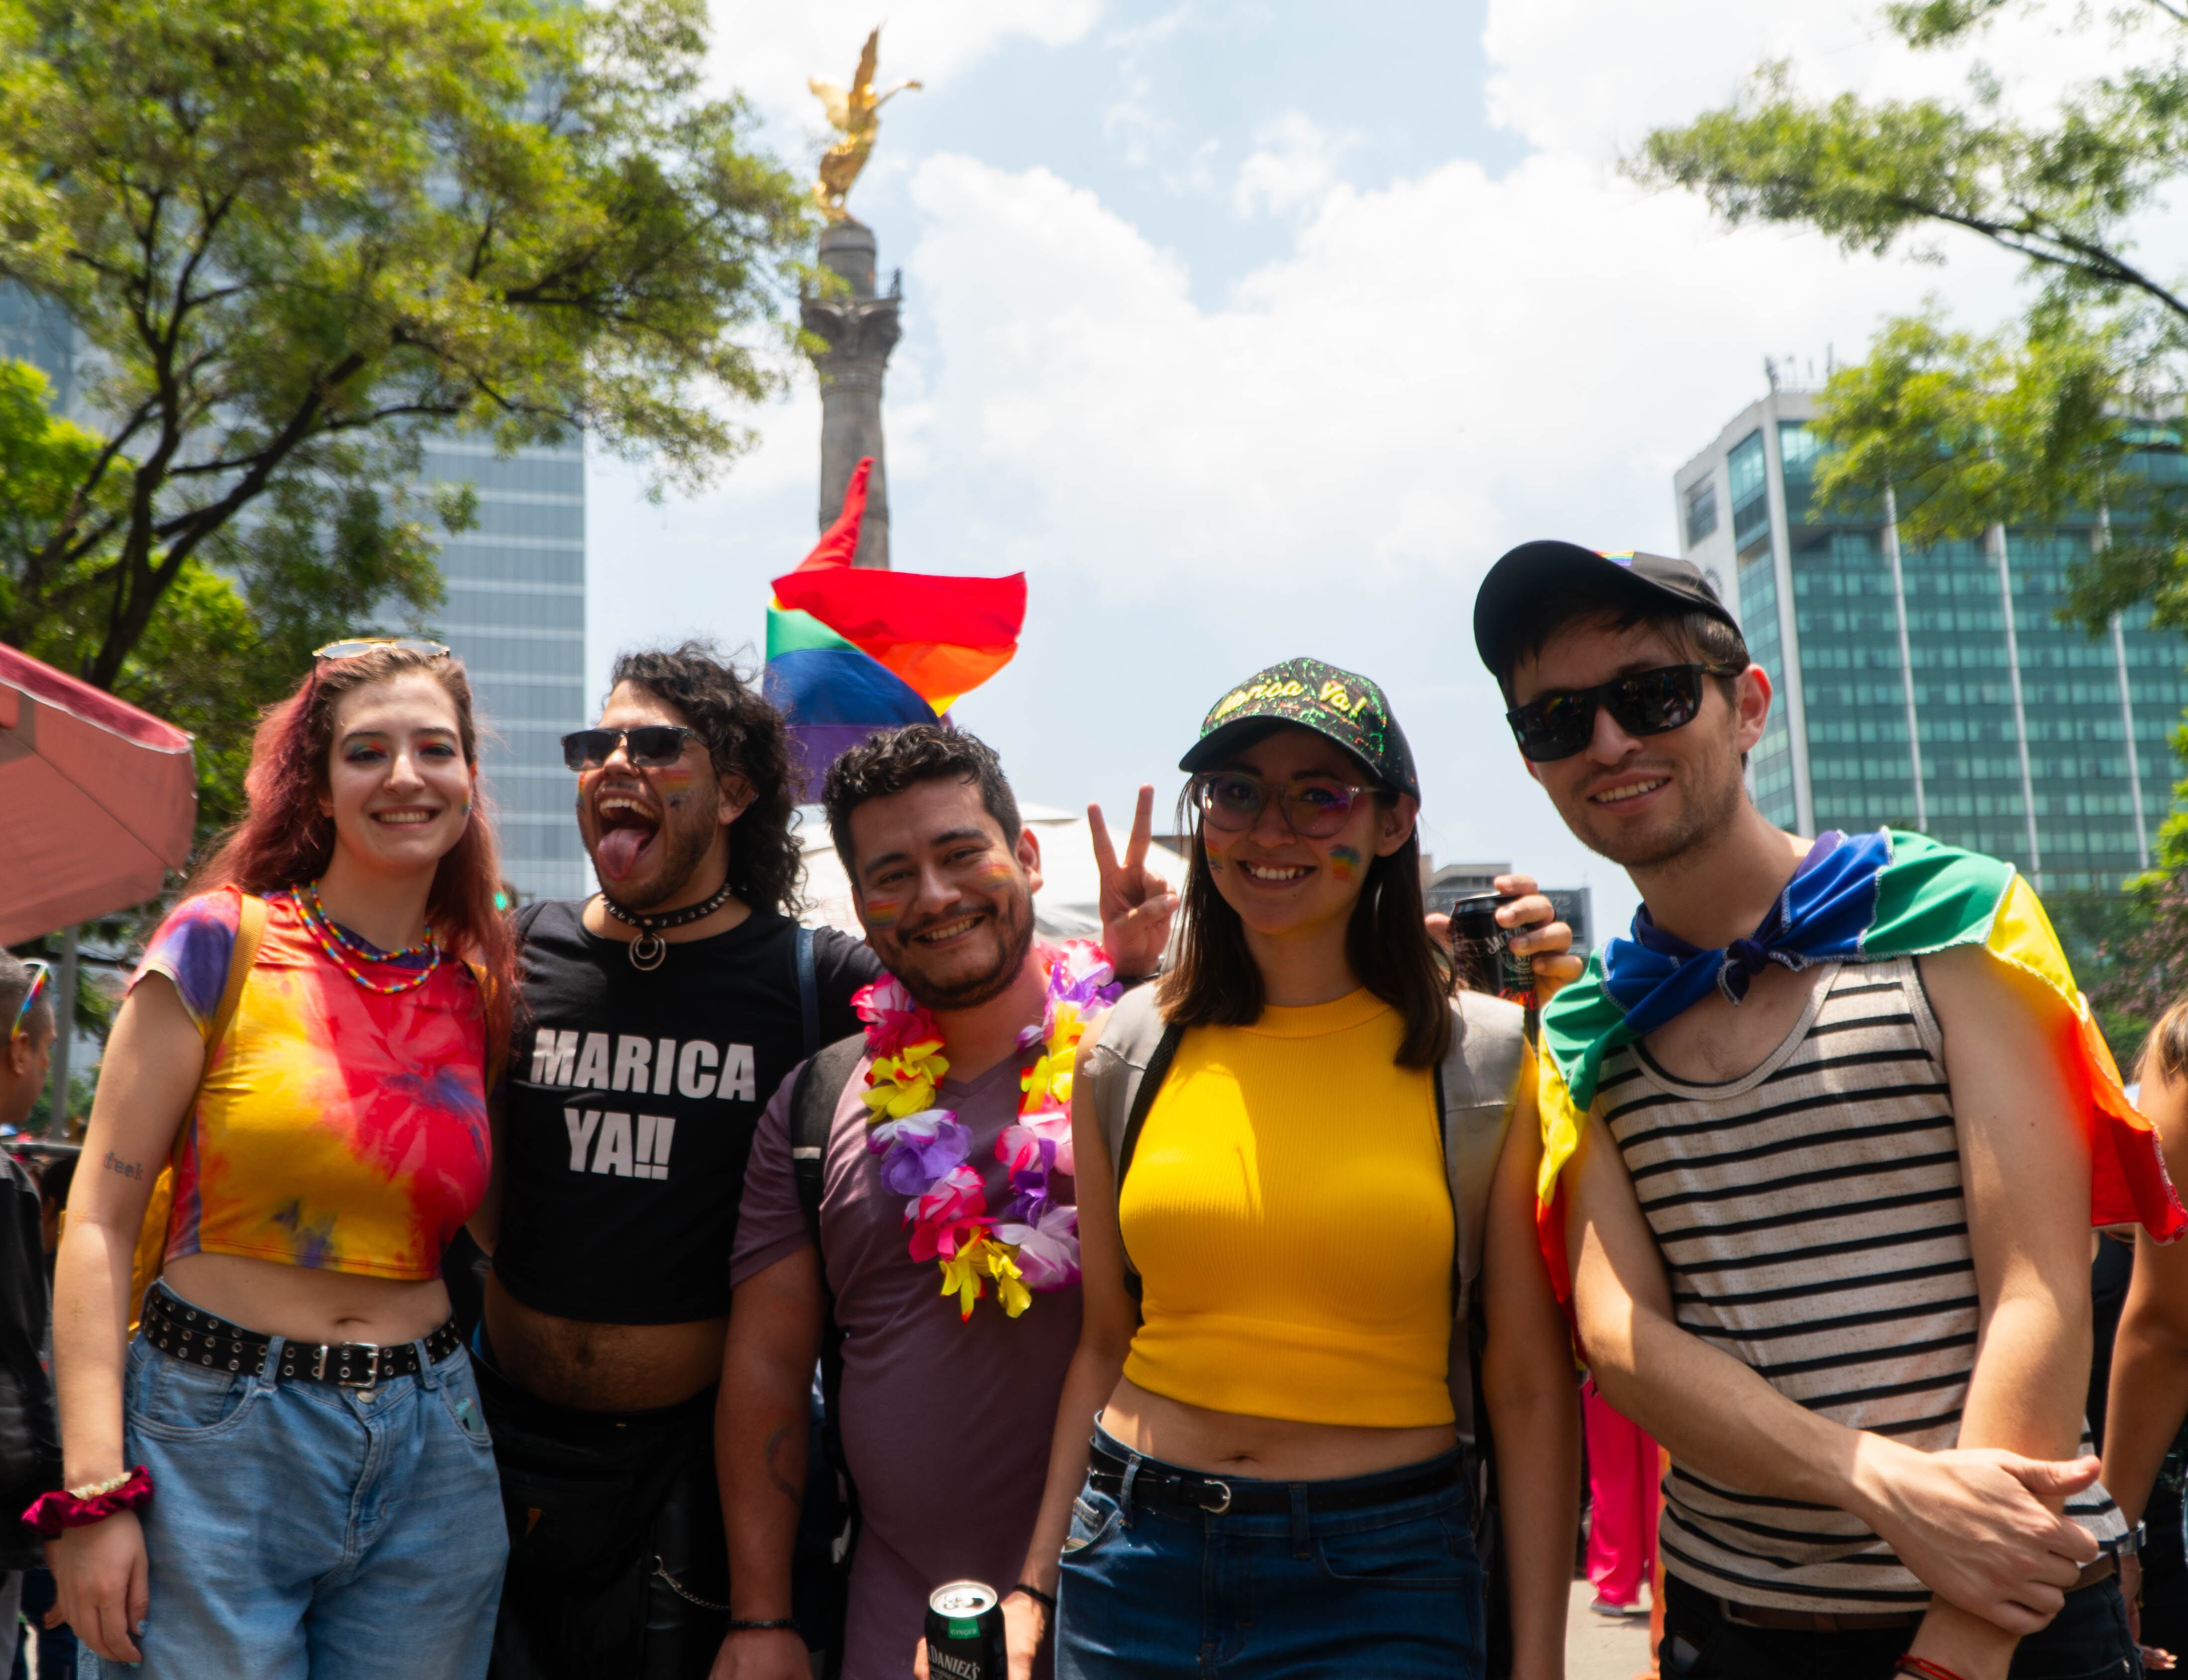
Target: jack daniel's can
(1483,949)
(965,1632)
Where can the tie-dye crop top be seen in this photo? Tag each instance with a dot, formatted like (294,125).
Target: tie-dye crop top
(336,1128)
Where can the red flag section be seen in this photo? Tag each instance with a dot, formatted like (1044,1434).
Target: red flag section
(941,635)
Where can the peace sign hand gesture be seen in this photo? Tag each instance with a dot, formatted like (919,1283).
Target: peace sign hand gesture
(1136,904)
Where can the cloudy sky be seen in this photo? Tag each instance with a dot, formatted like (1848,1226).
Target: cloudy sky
(1247,329)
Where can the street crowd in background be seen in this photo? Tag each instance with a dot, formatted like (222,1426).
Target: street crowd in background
(649,1285)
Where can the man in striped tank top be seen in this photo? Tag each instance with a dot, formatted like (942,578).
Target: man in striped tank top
(1826,1129)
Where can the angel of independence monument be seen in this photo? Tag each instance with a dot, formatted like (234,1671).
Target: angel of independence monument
(858,325)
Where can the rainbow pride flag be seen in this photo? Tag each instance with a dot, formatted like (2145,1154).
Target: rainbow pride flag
(1867,898)
(853,651)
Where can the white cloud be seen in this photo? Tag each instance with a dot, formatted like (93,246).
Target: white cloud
(1293,162)
(1440,367)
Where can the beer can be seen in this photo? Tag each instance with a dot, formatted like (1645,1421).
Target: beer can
(965,1632)
(1483,949)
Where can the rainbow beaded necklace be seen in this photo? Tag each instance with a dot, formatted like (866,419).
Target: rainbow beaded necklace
(336,940)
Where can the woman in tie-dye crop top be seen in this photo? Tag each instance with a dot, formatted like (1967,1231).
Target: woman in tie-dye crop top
(394,1154)
(294,1434)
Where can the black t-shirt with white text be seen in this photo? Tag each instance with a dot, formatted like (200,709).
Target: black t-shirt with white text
(632,1099)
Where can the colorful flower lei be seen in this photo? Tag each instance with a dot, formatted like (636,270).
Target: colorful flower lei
(1033,1244)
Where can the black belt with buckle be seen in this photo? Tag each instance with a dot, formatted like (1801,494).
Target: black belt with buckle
(195,1337)
(1166,1485)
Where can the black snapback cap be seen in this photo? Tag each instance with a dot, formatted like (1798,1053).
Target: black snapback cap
(1512,600)
(1339,705)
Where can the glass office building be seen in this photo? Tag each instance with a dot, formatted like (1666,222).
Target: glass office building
(31,332)
(516,612)
(1933,688)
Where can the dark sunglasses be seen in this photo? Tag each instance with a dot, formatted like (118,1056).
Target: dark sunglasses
(1559,724)
(1232,801)
(40,973)
(650,747)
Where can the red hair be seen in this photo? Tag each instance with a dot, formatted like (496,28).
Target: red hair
(285,840)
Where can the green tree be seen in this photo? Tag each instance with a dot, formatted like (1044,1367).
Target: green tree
(293,239)
(2047,418)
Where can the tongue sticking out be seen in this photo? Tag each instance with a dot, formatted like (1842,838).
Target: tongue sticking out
(617,849)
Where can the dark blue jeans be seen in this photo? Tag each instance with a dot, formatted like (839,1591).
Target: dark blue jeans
(1392,1589)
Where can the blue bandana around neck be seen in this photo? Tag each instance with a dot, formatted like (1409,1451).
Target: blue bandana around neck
(1825,908)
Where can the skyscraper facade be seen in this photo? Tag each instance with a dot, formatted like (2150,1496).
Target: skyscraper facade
(1934,688)
(516,612)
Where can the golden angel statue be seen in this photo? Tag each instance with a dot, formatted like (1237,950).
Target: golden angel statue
(856,113)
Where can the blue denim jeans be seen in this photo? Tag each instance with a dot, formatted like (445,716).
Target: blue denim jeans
(305,1531)
(1393,1589)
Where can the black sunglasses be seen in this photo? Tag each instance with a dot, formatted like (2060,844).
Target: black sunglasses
(1559,724)
(650,747)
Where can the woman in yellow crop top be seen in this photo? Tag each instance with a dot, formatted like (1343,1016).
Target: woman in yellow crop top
(1274,1483)
(305,1046)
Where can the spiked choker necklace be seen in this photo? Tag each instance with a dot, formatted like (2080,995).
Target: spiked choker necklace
(649,948)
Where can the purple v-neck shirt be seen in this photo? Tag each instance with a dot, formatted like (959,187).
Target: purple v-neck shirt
(947,1424)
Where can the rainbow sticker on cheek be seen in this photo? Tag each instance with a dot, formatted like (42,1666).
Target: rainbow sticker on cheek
(1344,862)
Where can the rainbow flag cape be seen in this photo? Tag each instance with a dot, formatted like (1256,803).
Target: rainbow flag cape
(853,651)
(1861,899)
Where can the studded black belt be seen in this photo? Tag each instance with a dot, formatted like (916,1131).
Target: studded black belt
(194,1336)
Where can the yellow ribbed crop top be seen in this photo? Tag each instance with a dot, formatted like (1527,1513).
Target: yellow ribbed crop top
(1289,1215)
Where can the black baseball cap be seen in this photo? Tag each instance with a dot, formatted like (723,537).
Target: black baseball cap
(1340,705)
(1525,591)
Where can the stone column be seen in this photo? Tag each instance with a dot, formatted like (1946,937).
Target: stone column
(861,328)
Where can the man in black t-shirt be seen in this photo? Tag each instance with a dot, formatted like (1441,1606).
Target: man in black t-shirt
(658,1018)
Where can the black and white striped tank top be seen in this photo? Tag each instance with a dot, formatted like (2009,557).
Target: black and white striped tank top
(1810,1218)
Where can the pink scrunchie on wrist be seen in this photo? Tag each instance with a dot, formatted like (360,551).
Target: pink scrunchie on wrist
(51,1513)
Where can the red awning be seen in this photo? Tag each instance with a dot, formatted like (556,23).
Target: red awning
(97,800)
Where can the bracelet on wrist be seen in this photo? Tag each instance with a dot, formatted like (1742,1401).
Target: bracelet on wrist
(80,1506)
(1046,1600)
(771,1624)
(1924,1669)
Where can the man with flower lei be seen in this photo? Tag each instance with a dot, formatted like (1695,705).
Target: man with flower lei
(945,1210)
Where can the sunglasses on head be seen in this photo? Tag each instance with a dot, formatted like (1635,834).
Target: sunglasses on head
(650,747)
(1316,807)
(350,646)
(1559,724)
(40,973)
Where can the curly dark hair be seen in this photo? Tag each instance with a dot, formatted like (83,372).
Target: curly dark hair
(744,735)
(902,759)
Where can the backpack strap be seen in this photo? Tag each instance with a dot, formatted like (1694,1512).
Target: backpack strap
(808,995)
(249,934)
(814,1097)
(1123,1072)
(151,1255)
(1476,1085)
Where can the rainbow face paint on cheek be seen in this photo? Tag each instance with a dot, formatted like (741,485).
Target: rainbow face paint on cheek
(1344,862)
(995,874)
(673,781)
(883,913)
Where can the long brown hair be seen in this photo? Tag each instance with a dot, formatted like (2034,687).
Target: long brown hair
(2165,1051)
(285,840)
(1216,983)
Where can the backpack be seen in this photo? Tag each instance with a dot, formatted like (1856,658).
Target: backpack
(1474,1084)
